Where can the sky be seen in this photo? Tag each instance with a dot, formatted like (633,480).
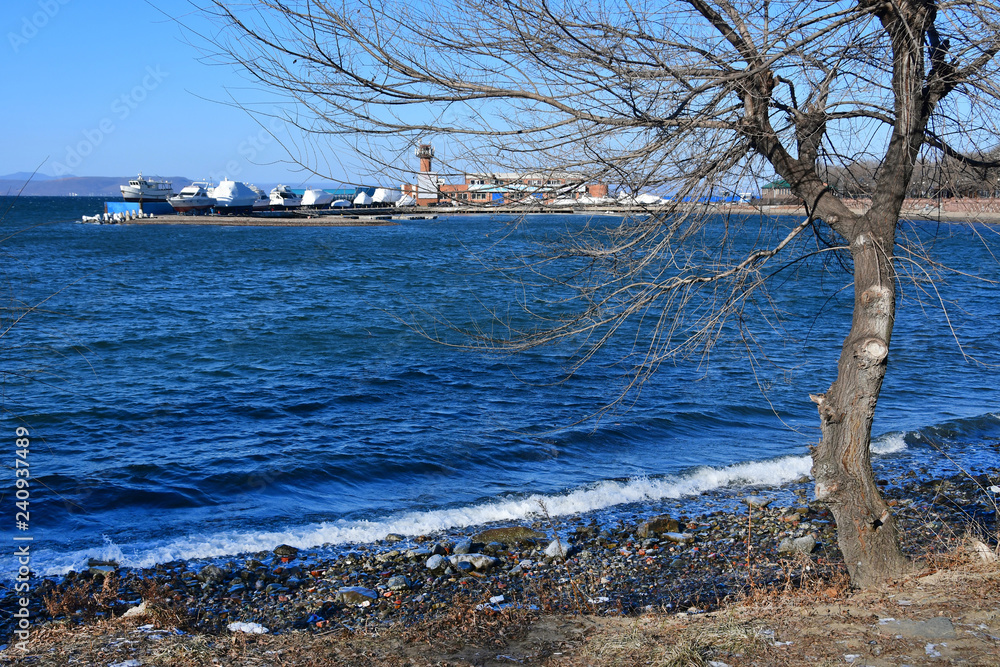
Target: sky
(116,87)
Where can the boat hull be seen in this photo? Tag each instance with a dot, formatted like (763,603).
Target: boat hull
(191,204)
(133,194)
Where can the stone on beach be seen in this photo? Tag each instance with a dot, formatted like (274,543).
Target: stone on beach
(420,553)
(478,561)
(557,549)
(356,595)
(139,610)
(100,571)
(509,535)
(436,562)
(286,551)
(799,545)
(657,525)
(212,573)
(464,547)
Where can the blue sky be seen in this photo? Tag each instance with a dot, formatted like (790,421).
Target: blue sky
(114,87)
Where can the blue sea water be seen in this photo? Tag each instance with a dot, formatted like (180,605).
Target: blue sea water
(202,391)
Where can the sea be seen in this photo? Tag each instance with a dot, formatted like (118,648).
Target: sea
(202,392)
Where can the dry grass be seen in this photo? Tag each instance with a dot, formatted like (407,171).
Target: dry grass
(664,641)
(84,599)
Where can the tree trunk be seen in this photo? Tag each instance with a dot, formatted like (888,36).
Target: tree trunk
(866,531)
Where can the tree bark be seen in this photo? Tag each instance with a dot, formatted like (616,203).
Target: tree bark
(867,532)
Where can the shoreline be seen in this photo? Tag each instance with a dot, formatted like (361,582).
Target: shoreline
(389,217)
(645,561)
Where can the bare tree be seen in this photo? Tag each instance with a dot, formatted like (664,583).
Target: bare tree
(686,98)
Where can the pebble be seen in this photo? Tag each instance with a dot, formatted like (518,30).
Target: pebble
(509,535)
(800,545)
(436,562)
(356,595)
(557,549)
(657,525)
(212,574)
(478,561)
(463,547)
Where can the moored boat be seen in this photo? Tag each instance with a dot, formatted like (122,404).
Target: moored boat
(144,189)
(282,197)
(232,197)
(315,198)
(192,198)
(263,201)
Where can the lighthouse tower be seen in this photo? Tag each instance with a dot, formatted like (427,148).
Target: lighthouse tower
(427,182)
(426,153)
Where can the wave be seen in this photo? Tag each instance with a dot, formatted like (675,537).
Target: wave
(889,443)
(961,431)
(597,496)
(592,497)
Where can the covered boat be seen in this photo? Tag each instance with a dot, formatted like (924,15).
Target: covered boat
(316,198)
(649,200)
(363,199)
(386,196)
(406,200)
(232,197)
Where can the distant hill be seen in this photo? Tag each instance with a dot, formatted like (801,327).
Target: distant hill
(25,175)
(84,186)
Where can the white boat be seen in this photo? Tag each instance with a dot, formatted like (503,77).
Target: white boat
(315,198)
(192,198)
(263,201)
(283,197)
(144,189)
(341,203)
(386,196)
(232,197)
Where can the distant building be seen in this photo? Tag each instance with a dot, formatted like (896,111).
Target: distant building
(426,191)
(496,189)
(778,190)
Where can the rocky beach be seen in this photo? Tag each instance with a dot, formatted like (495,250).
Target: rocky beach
(646,562)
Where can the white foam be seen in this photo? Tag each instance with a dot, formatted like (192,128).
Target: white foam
(889,443)
(592,497)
